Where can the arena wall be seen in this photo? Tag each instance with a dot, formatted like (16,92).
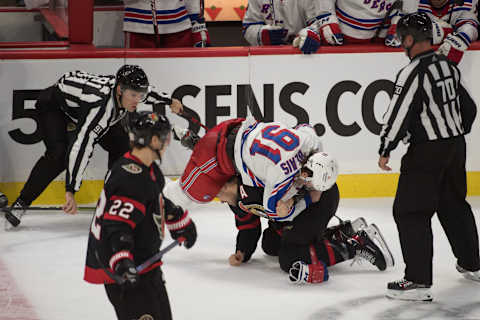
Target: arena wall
(343,91)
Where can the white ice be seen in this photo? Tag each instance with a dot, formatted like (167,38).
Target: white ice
(44,260)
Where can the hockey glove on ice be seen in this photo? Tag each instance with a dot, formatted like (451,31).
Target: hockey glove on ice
(307,40)
(201,38)
(125,268)
(272,35)
(301,273)
(180,225)
(454,45)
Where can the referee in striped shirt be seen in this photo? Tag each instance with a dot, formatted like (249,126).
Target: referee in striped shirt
(432,111)
(76,113)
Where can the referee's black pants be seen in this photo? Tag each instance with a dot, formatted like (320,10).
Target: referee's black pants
(433,179)
(58,132)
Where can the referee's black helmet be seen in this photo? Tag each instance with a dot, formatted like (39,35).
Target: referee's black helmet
(417,24)
(132,77)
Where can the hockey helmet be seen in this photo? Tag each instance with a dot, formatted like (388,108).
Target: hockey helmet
(324,171)
(132,77)
(417,24)
(144,125)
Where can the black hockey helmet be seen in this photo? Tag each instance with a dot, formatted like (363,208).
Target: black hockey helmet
(132,77)
(144,125)
(417,24)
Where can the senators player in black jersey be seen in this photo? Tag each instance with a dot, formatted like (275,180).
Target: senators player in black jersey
(128,226)
(304,245)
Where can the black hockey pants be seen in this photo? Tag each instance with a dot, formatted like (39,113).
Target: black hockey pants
(433,179)
(148,298)
(57,133)
(305,230)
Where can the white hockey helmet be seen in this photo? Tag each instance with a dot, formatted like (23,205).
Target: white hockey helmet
(324,171)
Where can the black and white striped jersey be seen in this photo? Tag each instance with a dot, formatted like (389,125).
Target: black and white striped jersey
(88,101)
(429,103)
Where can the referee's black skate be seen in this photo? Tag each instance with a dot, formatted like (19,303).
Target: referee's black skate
(370,245)
(470,275)
(409,291)
(14,214)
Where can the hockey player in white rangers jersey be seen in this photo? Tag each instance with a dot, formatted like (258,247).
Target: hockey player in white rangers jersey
(270,155)
(79,111)
(360,21)
(277,22)
(179,23)
(454,25)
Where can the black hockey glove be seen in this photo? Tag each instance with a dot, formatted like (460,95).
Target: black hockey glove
(181,226)
(125,268)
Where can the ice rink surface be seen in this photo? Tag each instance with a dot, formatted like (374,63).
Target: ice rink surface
(41,275)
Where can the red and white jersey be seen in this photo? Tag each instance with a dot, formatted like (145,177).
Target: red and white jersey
(172,15)
(270,155)
(458,17)
(293,15)
(360,19)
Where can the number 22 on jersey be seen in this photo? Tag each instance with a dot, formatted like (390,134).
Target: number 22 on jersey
(118,208)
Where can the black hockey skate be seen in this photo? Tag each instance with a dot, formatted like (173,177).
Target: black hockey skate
(345,229)
(370,245)
(14,214)
(409,291)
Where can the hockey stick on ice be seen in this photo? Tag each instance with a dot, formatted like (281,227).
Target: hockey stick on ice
(155,23)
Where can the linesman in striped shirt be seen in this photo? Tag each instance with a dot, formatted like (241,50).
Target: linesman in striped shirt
(432,111)
(79,111)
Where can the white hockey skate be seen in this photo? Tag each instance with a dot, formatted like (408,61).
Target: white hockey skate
(470,275)
(408,291)
(359,224)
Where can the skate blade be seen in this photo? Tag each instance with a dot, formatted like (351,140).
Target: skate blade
(377,237)
(423,295)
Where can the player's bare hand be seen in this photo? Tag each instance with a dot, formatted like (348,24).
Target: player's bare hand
(382,163)
(283,207)
(236,259)
(70,206)
(176,106)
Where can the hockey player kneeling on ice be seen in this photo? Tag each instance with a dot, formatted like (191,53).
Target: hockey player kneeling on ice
(303,243)
(128,227)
